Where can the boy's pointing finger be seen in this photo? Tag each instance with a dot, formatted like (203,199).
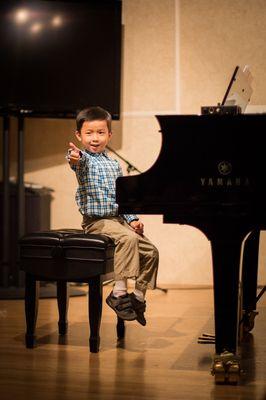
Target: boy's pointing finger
(73,147)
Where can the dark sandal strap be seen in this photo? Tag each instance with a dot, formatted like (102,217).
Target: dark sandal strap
(124,304)
(140,307)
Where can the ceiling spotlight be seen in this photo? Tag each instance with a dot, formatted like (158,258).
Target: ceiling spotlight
(56,21)
(35,28)
(21,16)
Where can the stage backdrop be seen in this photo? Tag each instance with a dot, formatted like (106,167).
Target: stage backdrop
(177,56)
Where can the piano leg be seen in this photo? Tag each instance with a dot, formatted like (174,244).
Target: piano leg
(226,251)
(249,279)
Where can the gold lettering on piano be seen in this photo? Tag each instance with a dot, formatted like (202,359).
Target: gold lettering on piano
(226,182)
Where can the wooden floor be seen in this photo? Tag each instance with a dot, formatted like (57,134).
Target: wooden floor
(160,361)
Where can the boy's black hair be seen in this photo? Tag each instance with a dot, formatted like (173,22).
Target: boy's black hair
(93,114)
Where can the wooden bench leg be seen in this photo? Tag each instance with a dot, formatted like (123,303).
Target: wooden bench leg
(95,312)
(62,302)
(31,308)
(120,328)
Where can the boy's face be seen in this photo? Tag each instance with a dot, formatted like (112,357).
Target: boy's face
(94,135)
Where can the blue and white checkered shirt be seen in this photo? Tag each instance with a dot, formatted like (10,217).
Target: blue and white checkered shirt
(96,174)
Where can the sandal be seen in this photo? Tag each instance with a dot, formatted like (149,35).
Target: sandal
(122,306)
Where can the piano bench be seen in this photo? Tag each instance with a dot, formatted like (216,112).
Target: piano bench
(62,256)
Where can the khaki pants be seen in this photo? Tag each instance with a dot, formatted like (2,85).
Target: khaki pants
(135,256)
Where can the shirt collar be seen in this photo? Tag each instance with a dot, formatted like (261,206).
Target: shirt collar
(104,153)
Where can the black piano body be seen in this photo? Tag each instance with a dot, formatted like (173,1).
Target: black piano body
(210,174)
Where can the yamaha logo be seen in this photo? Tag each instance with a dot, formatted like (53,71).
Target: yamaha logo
(225,167)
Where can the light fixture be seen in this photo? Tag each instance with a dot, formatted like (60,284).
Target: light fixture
(56,21)
(21,16)
(36,27)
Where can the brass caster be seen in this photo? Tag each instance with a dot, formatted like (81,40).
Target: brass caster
(233,372)
(218,371)
(226,368)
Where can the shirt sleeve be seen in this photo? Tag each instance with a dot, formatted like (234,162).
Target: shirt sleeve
(127,217)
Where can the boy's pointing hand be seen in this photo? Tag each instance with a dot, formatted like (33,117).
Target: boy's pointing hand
(73,154)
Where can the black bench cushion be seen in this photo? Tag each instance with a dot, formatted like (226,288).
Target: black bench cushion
(68,254)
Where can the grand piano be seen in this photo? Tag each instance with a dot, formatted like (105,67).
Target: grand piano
(210,174)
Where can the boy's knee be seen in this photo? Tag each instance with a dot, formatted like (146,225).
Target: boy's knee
(155,253)
(130,240)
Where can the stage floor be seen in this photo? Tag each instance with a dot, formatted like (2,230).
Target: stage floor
(161,361)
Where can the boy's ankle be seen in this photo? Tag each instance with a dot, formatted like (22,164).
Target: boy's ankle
(140,296)
(119,293)
(120,288)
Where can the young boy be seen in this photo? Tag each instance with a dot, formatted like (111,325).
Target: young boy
(135,256)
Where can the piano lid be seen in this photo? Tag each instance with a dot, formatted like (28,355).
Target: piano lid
(205,162)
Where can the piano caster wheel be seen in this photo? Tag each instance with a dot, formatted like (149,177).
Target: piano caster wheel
(249,320)
(226,368)
(233,372)
(218,371)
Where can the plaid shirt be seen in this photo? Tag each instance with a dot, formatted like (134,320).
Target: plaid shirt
(96,174)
